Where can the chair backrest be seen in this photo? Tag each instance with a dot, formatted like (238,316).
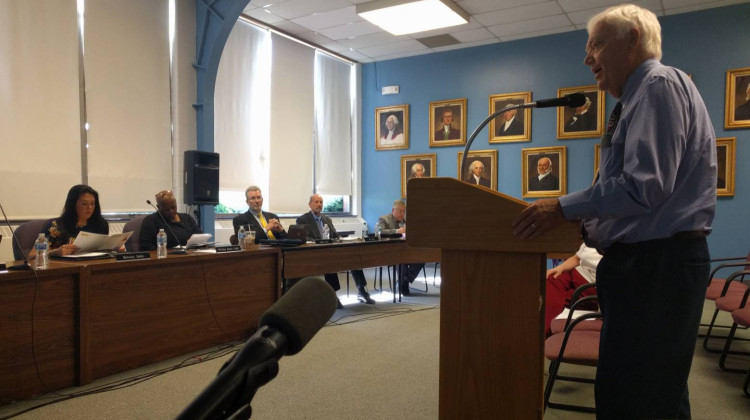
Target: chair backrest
(134,225)
(26,234)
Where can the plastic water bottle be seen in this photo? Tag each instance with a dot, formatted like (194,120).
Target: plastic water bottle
(42,252)
(326,232)
(161,244)
(241,238)
(364,230)
(378,230)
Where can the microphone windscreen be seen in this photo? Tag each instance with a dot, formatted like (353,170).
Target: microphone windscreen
(301,312)
(576,99)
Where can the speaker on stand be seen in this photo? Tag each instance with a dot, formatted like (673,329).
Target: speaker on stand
(201,178)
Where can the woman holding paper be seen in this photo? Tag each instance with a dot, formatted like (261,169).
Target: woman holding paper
(81,213)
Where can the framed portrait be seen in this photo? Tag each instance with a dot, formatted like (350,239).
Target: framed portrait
(725,159)
(448,123)
(544,172)
(481,168)
(417,166)
(392,127)
(512,126)
(737,103)
(585,121)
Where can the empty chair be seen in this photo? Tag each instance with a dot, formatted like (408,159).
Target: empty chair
(729,300)
(133,225)
(26,234)
(738,305)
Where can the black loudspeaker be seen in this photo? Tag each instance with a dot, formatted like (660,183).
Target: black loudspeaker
(201,177)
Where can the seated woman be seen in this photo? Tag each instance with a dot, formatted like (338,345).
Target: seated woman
(564,279)
(181,226)
(81,213)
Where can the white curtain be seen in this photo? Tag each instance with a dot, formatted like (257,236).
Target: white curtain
(126,61)
(39,111)
(291,169)
(242,109)
(333,126)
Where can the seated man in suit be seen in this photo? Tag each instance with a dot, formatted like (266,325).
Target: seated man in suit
(179,227)
(266,225)
(395,223)
(315,222)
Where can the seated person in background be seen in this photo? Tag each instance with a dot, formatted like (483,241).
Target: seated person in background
(564,279)
(81,213)
(178,225)
(266,225)
(395,223)
(314,222)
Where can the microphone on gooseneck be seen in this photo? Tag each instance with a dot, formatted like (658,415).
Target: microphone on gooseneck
(573,100)
(179,249)
(25,265)
(284,329)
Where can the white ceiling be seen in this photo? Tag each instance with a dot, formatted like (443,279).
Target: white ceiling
(334,24)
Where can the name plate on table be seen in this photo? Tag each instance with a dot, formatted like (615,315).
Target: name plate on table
(130,256)
(370,238)
(227,248)
(324,241)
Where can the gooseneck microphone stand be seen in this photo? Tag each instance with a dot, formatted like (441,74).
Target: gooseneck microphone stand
(481,126)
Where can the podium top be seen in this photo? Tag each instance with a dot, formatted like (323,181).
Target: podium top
(450,214)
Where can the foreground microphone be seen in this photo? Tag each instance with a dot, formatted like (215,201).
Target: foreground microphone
(573,100)
(25,265)
(179,249)
(284,329)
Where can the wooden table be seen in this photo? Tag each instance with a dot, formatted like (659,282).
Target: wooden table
(316,259)
(95,318)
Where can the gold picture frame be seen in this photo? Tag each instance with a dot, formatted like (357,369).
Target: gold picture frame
(737,102)
(726,165)
(396,137)
(519,128)
(410,168)
(452,112)
(597,152)
(585,121)
(552,185)
(486,178)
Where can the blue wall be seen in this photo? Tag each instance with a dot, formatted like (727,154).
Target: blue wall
(705,44)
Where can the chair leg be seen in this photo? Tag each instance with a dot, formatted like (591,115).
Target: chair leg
(726,352)
(347,284)
(424,271)
(434,275)
(709,336)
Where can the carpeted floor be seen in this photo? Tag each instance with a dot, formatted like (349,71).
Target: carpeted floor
(370,362)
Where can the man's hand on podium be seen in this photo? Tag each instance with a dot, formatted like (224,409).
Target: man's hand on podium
(539,217)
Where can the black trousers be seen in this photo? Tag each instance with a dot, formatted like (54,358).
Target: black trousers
(651,296)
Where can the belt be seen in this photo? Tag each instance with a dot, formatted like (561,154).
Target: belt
(679,236)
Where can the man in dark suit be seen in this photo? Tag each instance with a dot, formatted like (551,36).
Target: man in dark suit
(509,124)
(392,223)
(266,225)
(315,222)
(446,130)
(582,119)
(545,180)
(477,175)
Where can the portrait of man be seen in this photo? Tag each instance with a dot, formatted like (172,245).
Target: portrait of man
(583,118)
(448,122)
(480,168)
(544,179)
(476,174)
(416,166)
(392,127)
(742,112)
(446,129)
(391,132)
(509,123)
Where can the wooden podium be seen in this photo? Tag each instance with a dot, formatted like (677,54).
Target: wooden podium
(491,300)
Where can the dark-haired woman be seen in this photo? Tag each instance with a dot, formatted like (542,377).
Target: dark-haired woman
(81,213)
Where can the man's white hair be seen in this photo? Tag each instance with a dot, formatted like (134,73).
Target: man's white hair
(475,163)
(625,17)
(392,117)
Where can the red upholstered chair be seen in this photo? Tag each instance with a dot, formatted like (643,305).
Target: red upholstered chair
(740,318)
(727,300)
(577,344)
(558,325)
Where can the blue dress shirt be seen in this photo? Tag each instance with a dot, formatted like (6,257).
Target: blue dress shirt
(658,177)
